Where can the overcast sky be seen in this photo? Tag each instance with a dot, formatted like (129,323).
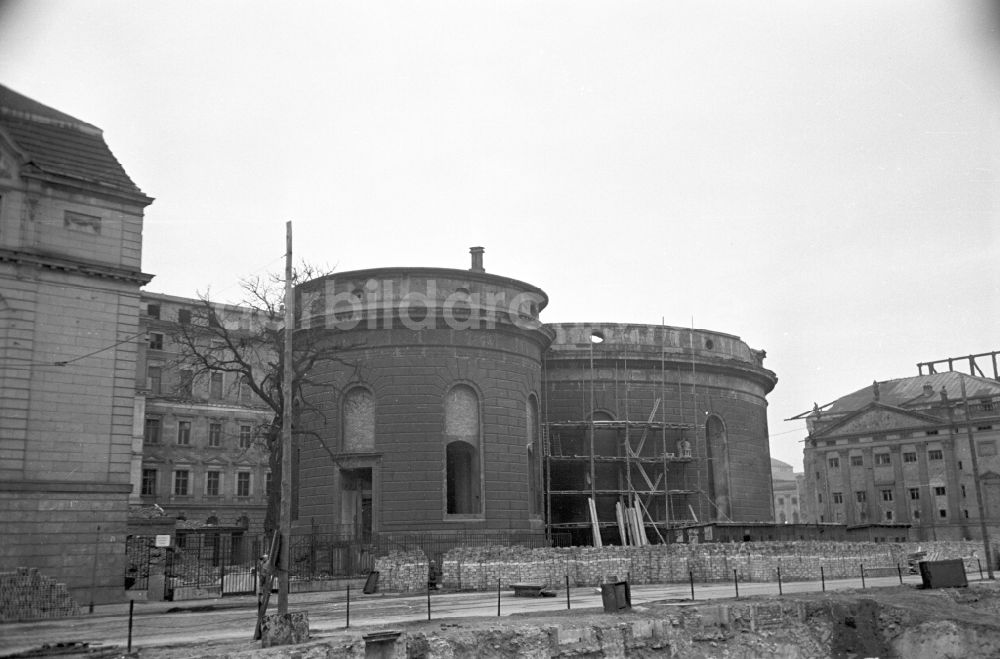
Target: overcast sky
(820,179)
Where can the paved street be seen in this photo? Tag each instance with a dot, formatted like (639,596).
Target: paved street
(234,618)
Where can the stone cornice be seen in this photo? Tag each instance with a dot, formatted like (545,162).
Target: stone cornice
(66,486)
(71,265)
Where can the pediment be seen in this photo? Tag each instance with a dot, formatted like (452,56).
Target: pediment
(215,460)
(878,418)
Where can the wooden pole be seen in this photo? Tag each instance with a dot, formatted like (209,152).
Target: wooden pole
(285,521)
(976,477)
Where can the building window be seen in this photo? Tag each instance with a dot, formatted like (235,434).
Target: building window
(148,483)
(963,491)
(935,454)
(215,386)
(267,483)
(246,435)
(153,310)
(916,514)
(461,436)
(986,405)
(886,495)
(860,496)
(930,433)
(183,433)
(914,493)
(882,459)
(984,428)
(213,483)
(155,341)
(181,482)
(965,511)
(534,451)
(910,456)
(819,497)
(154,380)
(186,386)
(246,393)
(838,497)
(857,461)
(960,465)
(939,491)
(215,434)
(184,316)
(358,414)
(834,463)
(781,501)
(943,512)
(888,515)
(795,501)
(986,449)
(243,484)
(152,433)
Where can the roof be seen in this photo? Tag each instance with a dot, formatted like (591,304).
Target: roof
(56,144)
(908,391)
(778,463)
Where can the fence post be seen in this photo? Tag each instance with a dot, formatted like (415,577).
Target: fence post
(131,607)
(779,581)
(567,592)
(822,576)
(980,569)
(736,582)
(428,601)
(498,598)
(691,577)
(900,571)
(863,575)
(348,625)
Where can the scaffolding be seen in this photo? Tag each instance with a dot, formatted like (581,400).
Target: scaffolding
(617,465)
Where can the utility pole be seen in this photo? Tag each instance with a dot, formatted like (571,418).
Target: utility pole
(285,514)
(975,473)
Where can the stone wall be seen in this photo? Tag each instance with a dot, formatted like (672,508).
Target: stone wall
(402,572)
(480,569)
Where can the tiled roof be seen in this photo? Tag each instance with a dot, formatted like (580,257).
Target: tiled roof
(61,146)
(906,391)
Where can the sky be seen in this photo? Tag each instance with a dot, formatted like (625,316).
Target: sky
(818,178)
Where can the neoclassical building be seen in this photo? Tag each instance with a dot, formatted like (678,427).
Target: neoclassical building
(70,272)
(899,451)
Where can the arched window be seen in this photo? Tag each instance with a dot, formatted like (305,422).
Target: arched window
(462,446)
(359,421)
(534,458)
(717,449)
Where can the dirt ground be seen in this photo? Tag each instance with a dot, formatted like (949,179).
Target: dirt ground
(904,621)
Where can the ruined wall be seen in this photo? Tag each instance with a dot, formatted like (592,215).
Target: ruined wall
(479,569)
(698,375)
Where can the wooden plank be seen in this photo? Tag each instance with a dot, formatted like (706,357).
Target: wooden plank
(595,528)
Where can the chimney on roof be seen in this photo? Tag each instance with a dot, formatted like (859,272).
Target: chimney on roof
(928,390)
(477,259)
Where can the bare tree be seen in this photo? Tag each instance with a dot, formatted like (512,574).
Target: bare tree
(248,341)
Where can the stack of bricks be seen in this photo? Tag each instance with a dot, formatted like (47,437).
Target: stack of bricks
(481,568)
(27,595)
(401,572)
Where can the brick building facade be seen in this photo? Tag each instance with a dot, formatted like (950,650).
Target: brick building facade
(438,421)
(70,273)
(898,452)
(426,426)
